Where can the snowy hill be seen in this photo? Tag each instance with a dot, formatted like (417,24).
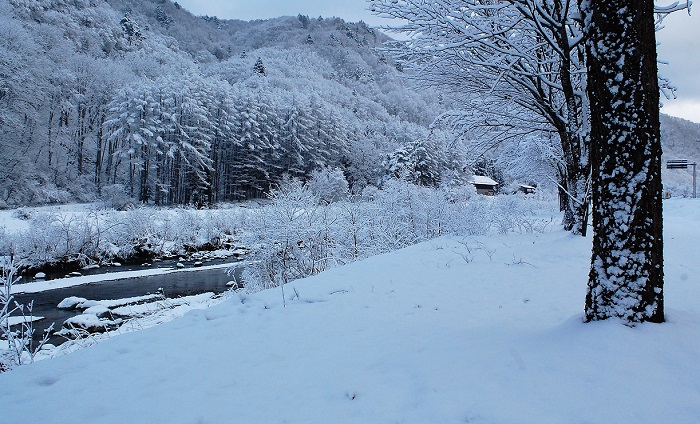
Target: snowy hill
(144,100)
(482,330)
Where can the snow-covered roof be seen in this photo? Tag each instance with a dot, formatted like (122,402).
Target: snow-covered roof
(483,180)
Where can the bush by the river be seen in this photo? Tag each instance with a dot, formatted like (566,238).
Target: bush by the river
(300,234)
(105,235)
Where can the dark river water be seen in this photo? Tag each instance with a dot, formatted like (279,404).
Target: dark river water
(174,285)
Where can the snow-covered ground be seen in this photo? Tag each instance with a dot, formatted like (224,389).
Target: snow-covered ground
(455,330)
(14,220)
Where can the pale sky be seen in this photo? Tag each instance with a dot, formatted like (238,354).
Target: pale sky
(679,41)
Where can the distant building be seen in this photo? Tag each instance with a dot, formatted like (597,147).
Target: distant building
(527,189)
(484,185)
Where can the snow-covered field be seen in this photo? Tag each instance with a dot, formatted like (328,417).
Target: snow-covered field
(456,330)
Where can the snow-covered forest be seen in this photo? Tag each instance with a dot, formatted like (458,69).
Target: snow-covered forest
(145,101)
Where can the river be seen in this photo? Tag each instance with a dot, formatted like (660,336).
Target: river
(173,285)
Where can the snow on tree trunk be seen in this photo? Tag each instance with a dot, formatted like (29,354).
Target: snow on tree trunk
(626,277)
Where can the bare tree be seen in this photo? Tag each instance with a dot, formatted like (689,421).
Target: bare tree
(519,66)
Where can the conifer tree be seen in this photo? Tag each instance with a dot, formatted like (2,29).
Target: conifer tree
(259,67)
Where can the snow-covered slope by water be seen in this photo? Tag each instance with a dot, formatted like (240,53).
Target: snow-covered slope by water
(478,330)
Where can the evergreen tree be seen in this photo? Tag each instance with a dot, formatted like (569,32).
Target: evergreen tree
(163,17)
(259,67)
(295,140)
(131,30)
(304,21)
(415,162)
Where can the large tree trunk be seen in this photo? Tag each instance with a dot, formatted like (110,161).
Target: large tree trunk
(626,276)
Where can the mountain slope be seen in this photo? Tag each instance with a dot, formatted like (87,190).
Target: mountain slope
(142,98)
(144,101)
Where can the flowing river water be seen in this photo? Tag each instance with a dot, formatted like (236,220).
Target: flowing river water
(175,284)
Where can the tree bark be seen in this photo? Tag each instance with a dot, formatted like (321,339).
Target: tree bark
(626,276)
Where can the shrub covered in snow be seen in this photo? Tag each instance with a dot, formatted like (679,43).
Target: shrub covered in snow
(329,184)
(295,236)
(22,213)
(115,196)
(96,236)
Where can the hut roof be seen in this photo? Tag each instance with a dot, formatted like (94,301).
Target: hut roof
(483,180)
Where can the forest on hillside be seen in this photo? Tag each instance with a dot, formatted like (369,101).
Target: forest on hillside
(146,102)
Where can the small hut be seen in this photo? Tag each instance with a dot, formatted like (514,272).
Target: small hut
(484,185)
(527,189)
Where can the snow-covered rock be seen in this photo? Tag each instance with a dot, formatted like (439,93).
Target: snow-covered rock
(88,322)
(16,320)
(71,302)
(89,304)
(98,310)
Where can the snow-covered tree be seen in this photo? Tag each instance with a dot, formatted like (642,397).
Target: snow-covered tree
(131,29)
(292,242)
(259,67)
(626,277)
(329,184)
(520,66)
(162,17)
(416,162)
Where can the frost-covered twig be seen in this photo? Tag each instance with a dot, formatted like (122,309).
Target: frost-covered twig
(19,347)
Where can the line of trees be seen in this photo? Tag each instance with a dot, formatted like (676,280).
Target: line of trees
(197,141)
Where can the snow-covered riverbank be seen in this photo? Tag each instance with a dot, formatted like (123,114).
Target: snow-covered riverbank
(71,236)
